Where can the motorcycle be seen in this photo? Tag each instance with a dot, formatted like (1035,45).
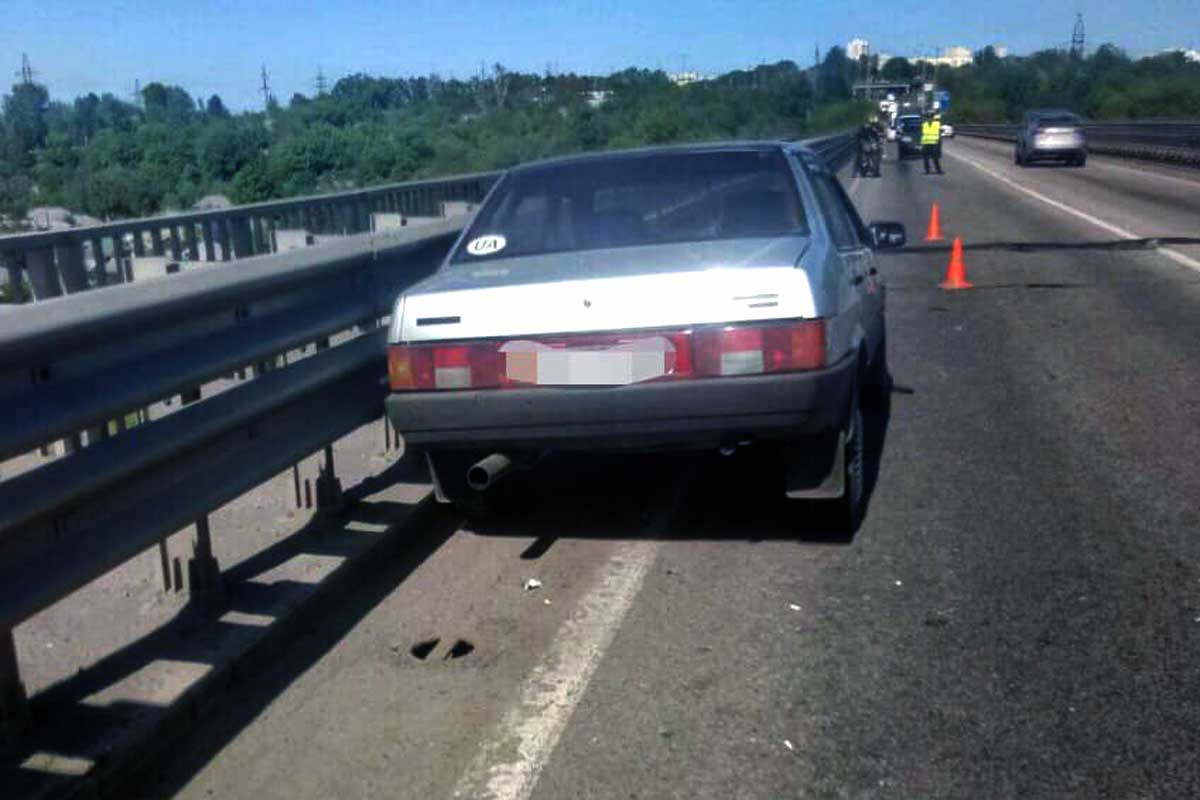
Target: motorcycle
(870,159)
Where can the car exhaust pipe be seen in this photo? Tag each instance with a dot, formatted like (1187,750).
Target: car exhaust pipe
(485,472)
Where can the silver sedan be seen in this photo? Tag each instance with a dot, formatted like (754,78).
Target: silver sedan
(708,296)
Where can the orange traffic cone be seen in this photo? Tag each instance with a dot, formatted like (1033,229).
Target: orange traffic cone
(934,232)
(956,273)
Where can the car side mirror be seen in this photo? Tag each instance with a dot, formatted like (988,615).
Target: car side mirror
(886,235)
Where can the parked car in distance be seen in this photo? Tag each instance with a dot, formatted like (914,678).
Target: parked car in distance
(1051,135)
(947,130)
(713,296)
(908,136)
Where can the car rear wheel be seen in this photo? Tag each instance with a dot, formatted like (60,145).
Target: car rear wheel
(877,386)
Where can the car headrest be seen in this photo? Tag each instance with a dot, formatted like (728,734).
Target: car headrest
(756,213)
(616,227)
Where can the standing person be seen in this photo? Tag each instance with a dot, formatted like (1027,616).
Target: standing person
(931,141)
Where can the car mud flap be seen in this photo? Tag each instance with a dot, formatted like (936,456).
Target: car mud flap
(816,470)
(438,492)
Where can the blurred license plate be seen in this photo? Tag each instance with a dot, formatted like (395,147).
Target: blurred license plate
(585,367)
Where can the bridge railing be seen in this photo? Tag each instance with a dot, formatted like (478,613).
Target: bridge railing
(302,328)
(67,261)
(1151,140)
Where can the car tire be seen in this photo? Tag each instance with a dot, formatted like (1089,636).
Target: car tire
(877,385)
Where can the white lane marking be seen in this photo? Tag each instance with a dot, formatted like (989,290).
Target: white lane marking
(508,765)
(1174,255)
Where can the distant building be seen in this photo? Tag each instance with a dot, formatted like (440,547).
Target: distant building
(857,48)
(685,78)
(597,97)
(952,57)
(884,58)
(1000,50)
(1190,55)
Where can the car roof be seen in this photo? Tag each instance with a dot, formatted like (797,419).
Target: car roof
(641,152)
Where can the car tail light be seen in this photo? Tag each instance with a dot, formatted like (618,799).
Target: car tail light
(694,353)
(458,366)
(753,350)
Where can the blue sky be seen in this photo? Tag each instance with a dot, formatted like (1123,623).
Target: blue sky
(208,47)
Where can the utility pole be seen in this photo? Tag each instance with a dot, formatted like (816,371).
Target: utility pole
(1077,38)
(26,74)
(321,84)
(137,92)
(265,88)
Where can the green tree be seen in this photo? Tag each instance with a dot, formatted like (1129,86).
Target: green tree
(215,108)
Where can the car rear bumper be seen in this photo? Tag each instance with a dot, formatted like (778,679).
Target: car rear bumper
(660,415)
(1071,151)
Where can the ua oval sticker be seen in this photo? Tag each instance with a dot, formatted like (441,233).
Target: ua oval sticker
(486,245)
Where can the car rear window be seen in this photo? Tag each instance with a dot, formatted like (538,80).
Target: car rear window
(1057,122)
(637,200)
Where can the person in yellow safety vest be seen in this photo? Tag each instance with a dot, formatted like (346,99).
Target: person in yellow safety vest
(931,141)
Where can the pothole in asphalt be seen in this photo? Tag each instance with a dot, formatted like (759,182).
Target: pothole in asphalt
(421,650)
(460,649)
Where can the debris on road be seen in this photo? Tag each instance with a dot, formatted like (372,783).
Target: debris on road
(546,601)
(899,583)
(788,744)
(793,607)
(532,584)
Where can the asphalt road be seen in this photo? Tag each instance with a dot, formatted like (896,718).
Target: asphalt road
(1019,615)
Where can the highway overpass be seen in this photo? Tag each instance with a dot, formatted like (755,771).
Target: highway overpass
(1019,614)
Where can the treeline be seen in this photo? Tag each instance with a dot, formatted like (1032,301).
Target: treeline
(110,158)
(1106,85)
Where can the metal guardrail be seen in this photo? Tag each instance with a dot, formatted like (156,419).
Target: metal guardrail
(57,262)
(1165,141)
(74,367)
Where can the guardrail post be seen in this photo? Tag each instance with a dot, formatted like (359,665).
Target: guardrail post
(329,488)
(124,266)
(173,239)
(206,234)
(223,238)
(260,238)
(190,243)
(43,277)
(139,244)
(239,234)
(98,263)
(204,574)
(13,267)
(14,705)
(70,266)
(156,242)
